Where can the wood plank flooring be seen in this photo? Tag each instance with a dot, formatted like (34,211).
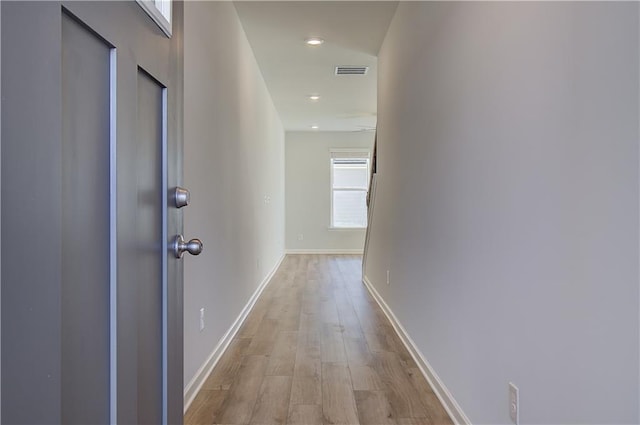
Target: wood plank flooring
(316,350)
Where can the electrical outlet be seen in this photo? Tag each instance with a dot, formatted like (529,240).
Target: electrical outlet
(388,278)
(300,237)
(514,404)
(201,319)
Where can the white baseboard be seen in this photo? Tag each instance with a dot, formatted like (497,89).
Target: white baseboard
(446,398)
(192,388)
(325,251)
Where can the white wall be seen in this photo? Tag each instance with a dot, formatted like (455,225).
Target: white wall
(507,205)
(308,190)
(233,158)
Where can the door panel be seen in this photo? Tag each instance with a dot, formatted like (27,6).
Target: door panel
(85,225)
(150,122)
(30,112)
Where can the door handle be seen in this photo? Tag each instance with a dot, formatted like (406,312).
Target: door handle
(193,247)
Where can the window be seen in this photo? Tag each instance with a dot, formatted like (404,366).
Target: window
(349,184)
(160,12)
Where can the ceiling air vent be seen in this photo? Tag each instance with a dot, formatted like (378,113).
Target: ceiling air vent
(352,70)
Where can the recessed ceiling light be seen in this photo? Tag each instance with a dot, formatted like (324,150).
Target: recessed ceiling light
(314,97)
(314,127)
(314,41)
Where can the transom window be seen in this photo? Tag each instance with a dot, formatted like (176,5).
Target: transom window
(160,12)
(349,185)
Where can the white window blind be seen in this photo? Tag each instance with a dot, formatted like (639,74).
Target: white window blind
(349,184)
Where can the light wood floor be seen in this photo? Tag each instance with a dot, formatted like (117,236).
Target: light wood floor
(316,349)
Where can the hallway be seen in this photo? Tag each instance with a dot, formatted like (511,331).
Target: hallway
(316,349)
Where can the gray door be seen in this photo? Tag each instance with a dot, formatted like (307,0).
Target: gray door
(91,149)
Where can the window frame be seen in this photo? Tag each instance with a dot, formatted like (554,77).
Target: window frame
(344,153)
(161,12)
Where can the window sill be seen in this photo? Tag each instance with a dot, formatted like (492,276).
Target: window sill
(348,229)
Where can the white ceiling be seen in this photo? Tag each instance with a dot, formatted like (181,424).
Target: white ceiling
(353,33)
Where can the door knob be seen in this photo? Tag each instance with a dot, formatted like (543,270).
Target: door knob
(193,247)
